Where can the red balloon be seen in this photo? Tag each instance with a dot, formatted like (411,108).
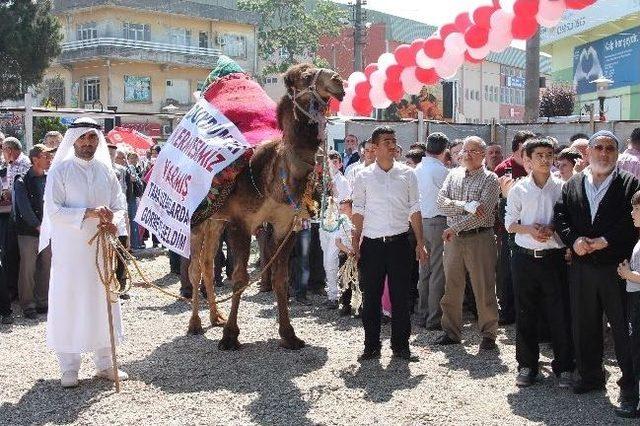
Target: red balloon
(362,89)
(426,76)
(405,56)
(476,36)
(525,8)
(334,105)
(579,4)
(369,69)
(394,71)
(434,48)
(463,22)
(393,90)
(447,29)
(362,105)
(482,16)
(523,28)
(471,59)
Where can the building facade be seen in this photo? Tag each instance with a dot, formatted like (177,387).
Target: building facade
(142,56)
(602,40)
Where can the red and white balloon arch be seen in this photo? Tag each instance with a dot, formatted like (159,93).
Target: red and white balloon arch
(471,37)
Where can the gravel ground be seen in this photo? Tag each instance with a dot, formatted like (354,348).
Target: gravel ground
(180,379)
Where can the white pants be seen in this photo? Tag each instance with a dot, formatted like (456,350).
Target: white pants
(330,262)
(71,362)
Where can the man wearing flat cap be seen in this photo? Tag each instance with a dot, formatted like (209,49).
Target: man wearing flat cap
(593,218)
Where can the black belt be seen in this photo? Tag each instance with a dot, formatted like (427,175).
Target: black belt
(538,254)
(390,238)
(473,231)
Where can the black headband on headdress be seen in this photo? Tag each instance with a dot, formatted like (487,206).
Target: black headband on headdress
(81,125)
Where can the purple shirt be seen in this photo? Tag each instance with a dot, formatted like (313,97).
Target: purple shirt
(630,161)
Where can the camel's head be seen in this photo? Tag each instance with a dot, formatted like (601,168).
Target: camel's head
(305,78)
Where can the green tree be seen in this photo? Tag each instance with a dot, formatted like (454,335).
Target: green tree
(42,125)
(557,100)
(29,40)
(288,27)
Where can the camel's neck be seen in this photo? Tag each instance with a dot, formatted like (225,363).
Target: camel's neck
(301,137)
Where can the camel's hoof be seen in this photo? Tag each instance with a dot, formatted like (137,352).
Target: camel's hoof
(229,343)
(293,343)
(195,327)
(217,320)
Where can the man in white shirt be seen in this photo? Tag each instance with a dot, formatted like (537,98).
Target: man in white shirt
(368,157)
(385,196)
(431,174)
(82,194)
(538,267)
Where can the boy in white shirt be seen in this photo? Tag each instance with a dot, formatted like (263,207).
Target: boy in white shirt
(538,265)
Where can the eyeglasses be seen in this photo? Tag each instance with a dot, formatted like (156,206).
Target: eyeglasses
(609,149)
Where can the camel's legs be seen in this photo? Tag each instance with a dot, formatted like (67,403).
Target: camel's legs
(240,241)
(207,256)
(280,282)
(197,239)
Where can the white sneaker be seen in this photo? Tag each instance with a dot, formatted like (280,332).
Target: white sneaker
(69,379)
(108,374)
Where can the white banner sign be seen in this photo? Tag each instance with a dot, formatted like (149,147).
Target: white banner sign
(204,143)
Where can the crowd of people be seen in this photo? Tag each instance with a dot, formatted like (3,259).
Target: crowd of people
(546,239)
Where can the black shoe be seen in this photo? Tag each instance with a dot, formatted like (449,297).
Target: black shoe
(488,344)
(628,410)
(446,340)
(435,327)
(303,300)
(7,319)
(369,354)
(506,321)
(331,304)
(406,355)
(385,319)
(525,377)
(345,310)
(125,296)
(186,294)
(30,314)
(42,310)
(583,387)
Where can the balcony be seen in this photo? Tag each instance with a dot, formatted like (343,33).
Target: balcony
(137,50)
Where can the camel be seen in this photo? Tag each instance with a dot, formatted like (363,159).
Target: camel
(260,196)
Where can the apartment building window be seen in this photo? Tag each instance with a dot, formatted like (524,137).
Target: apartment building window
(271,80)
(86,31)
(91,89)
(486,93)
(477,95)
(55,90)
(180,36)
(234,46)
(203,40)
(139,32)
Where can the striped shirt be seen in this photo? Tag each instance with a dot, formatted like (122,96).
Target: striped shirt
(630,161)
(462,186)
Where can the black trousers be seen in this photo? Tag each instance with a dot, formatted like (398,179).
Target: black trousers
(5,297)
(595,289)
(120,271)
(222,260)
(633,309)
(10,253)
(316,268)
(507,295)
(377,260)
(539,287)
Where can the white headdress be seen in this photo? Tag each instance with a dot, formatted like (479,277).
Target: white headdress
(78,128)
(65,151)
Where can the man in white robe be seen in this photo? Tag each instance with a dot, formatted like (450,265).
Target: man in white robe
(82,194)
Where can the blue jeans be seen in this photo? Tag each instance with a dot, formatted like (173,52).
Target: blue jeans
(132,208)
(301,266)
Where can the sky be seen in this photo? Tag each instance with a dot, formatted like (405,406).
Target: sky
(434,12)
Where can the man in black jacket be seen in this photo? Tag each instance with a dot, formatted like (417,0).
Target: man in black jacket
(33,282)
(593,218)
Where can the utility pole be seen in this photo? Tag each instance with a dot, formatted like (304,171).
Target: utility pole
(532,80)
(357,17)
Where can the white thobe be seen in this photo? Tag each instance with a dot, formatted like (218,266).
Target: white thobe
(77,320)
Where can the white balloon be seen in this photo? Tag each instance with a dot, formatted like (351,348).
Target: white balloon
(445,70)
(346,107)
(499,39)
(378,78)
(547,23)
(410,82)
(480,53)
(454,44)
(379,98)
(551,10)
(355,78)
(501,20)
(386,60)
(423,60)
